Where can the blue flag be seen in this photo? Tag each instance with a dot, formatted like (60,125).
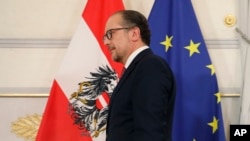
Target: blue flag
(176,36)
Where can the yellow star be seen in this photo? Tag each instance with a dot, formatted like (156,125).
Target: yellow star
(167,43)
(214,124)
(212,69)
(218,95)
(193,48)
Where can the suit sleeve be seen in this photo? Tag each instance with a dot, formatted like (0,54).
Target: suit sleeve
(152,91)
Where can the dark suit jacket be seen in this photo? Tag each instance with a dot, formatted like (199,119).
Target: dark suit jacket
(141,106)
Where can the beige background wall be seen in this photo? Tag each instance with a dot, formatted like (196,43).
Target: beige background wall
(34,35)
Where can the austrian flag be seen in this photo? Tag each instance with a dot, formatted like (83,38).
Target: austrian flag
(77,107)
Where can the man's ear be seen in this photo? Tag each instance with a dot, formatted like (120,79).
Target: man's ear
(135,34)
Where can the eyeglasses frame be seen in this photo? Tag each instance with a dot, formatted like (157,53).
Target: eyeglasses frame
(108,34)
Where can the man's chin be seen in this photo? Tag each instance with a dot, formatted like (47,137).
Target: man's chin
(116,59)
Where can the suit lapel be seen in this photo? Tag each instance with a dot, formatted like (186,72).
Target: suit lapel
(130,68)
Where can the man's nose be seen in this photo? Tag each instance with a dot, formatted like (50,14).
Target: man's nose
(106,41)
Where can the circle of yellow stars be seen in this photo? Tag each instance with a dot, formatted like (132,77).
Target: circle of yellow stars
(194,48)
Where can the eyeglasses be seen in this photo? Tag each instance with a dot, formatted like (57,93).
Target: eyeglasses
(108,34)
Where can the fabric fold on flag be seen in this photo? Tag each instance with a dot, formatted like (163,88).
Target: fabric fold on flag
(176,36)
(79,97)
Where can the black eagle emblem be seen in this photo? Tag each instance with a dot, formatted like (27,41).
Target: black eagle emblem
(89,105)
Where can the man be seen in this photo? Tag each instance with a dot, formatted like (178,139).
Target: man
(141,106)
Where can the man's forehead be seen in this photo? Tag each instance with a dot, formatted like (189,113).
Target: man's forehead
(114,20)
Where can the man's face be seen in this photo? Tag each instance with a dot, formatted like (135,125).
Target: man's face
(117,39)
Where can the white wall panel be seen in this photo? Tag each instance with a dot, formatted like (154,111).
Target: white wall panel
(12,109)
(228,65)
(29,67)
(39,18)
(211,14)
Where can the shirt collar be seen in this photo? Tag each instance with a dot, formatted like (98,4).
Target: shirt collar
(133,55)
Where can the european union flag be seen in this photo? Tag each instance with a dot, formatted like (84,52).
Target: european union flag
(176,36)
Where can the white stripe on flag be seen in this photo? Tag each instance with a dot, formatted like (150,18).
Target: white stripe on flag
(103,101)
(83,49)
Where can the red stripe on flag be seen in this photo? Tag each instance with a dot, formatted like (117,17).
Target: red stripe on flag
(56,124)
(96,14)
(102,101)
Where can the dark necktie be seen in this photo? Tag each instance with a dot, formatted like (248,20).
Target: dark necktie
(123,70)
